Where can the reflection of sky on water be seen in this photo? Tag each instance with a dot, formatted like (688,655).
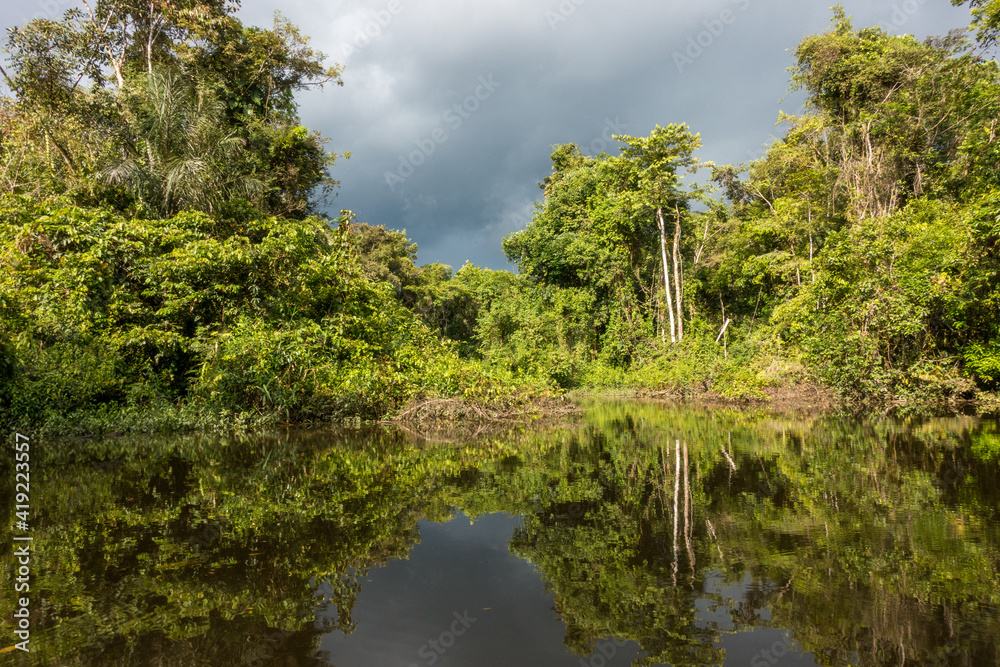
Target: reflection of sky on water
(458,568)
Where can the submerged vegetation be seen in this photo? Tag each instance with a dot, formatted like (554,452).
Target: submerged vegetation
(166,263)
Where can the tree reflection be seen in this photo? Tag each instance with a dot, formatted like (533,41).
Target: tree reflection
(873,543)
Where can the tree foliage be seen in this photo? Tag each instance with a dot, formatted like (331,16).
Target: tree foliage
(860,240)
(151,108)
(985,19)
(269,318)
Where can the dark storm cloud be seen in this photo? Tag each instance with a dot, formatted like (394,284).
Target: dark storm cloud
(556,71)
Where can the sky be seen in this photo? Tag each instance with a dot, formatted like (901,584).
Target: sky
(451,109)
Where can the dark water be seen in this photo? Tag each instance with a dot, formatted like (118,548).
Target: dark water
(636,534)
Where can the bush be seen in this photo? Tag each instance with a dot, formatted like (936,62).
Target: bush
(237,318)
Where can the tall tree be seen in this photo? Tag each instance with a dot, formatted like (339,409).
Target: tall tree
(89,87)
(893,113)
(182,152)
(659,157)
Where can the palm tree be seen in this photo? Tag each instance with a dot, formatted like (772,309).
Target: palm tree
(179,153)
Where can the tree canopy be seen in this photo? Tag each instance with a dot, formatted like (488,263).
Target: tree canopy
(153,108)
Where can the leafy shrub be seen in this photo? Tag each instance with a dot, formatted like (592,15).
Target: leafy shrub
(239,316)
(535,331)
(983,361)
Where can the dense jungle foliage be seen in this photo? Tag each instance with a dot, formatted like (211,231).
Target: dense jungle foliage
(166,262)
(860,250)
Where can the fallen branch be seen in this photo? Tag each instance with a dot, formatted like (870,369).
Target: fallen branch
(454,409)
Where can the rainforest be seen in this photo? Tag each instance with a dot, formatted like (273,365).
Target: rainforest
(167,264)
(718,414)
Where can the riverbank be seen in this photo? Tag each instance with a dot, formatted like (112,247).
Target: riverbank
(450,417)
(801,398)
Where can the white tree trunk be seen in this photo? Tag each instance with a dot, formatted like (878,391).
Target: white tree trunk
(666,273)
(677,274)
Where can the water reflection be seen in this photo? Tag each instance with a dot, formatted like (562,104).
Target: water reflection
(460,599)
(642,535)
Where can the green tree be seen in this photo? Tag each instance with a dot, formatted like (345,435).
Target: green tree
(896,115)
(387,256)
(857,232)
(658,159)
(189,64)
(181,154)
(583,238)
(985,19)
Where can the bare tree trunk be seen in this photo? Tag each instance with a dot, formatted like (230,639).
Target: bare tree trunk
(116,62)
(666,273)
(725,325)
(677,273)
(811,270)
(150,38)
(119,78)
(701,248)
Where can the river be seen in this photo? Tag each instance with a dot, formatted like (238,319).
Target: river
(633,534)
